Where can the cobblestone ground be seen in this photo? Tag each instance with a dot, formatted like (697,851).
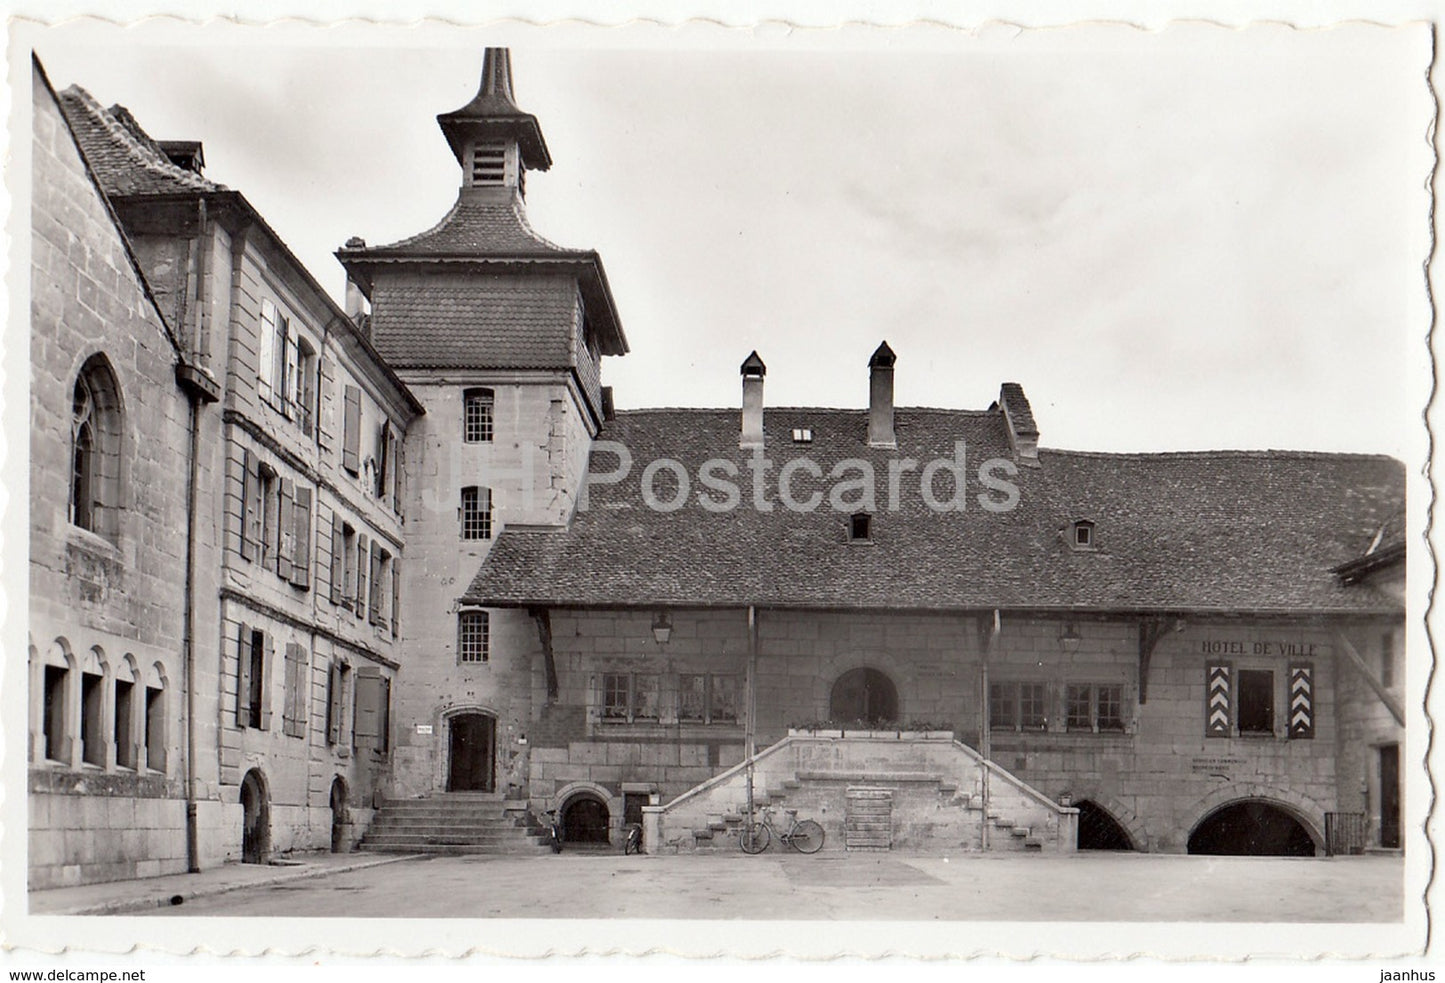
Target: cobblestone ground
(1083,887)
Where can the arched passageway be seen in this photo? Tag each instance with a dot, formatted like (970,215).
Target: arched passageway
(1251,829)
(585,819)
(863,696)
(340,820)
(255,819)
(1098,830)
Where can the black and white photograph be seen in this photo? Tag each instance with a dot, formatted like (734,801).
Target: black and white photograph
(551,488)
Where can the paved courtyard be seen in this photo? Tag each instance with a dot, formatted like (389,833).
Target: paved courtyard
(1083,887)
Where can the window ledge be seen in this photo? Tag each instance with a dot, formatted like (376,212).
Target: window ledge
(92,542)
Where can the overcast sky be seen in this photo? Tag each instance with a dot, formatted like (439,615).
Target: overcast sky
(1191,239)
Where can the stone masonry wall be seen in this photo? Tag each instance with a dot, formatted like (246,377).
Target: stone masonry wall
(110,605)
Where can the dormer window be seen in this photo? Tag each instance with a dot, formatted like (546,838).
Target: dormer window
(1082,534)
(802,435)
(860,527)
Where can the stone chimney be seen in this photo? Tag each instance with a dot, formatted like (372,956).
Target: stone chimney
(1023,434)
(753,371)
(880,398)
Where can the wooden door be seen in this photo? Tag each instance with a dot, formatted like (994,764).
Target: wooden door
(1390,795)
(473,739)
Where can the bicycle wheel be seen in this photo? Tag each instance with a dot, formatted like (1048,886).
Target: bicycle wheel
(754,838)
(633,843)
(806,837)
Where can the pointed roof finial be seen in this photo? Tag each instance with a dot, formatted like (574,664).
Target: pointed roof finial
(753,366)
(493,113)
(883,357)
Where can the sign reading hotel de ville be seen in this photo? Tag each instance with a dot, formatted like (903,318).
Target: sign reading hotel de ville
(1279,647)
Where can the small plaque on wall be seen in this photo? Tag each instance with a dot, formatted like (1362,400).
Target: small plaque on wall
(423,729)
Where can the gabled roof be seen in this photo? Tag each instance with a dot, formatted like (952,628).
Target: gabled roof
(1215,531)
(126,160)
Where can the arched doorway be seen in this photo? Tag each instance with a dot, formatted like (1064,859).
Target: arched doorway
(255,819)
(1251,829)
(863,696)
(585,819)
(340,819)
(473,753)
(1098,830)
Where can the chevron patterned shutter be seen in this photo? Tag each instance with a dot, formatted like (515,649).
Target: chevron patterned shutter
(1301,701)
(1218,677)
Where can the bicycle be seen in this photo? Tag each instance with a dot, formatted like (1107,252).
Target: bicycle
(554,830)
(805,836)
(633,843)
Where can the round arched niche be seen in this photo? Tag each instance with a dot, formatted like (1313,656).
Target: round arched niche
(863,696)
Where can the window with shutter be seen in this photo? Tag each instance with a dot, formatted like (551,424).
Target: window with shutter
(334,688)
(301,546)
(362,560)
(285,529)
(351,431)
(397,475)
(294,714)
(338,550)
(370,709)
(266,363)
(374,615)
(250,507)
(268,661)
(326,429)
(270,505)
(245,664)
(396,598)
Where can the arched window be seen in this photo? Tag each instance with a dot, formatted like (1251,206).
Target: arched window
(95,436)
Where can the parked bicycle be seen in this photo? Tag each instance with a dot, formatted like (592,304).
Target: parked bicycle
(633,843)
(805,836)
(554,830)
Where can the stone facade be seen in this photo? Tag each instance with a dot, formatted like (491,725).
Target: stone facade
(106,792)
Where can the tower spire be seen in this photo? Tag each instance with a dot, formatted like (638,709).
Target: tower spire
(494,141)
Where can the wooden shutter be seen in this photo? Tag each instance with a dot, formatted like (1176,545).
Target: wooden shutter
(249,489)
(308,394)
(288,711)
(333,704)
(367,731)
(351,431)
(269,531)
(266,368)
(243,677)
(361,560)
(285,529)
(379,475)
(301,555)
(1218,677)
(397,472)
(396,597)
(375,614)
(1301,701)
(326,425)
(338,548)
(267,663)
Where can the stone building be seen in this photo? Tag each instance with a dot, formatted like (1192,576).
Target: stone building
(293,528)
(423,564)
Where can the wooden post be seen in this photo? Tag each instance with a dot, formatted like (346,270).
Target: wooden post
(1386,697)
(988,636)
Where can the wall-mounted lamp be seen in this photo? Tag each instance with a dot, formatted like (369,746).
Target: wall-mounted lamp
(1070,639)
(661,627)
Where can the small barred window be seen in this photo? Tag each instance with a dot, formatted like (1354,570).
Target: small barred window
(476,512)
(477,416)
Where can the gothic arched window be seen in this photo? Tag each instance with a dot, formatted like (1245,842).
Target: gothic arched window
(95,437)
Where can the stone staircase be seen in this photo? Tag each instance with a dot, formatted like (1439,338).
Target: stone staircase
(452,823)
(934,789)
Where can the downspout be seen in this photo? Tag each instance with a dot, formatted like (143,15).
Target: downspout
(199,387)
(985,737)
(750,736)
(193,843)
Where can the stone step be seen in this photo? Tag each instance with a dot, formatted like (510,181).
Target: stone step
(466,837)
(512,849)
(386,828)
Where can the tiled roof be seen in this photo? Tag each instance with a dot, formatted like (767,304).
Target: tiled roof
(1230,531)
(125,159)
(483,222)
(517,322)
